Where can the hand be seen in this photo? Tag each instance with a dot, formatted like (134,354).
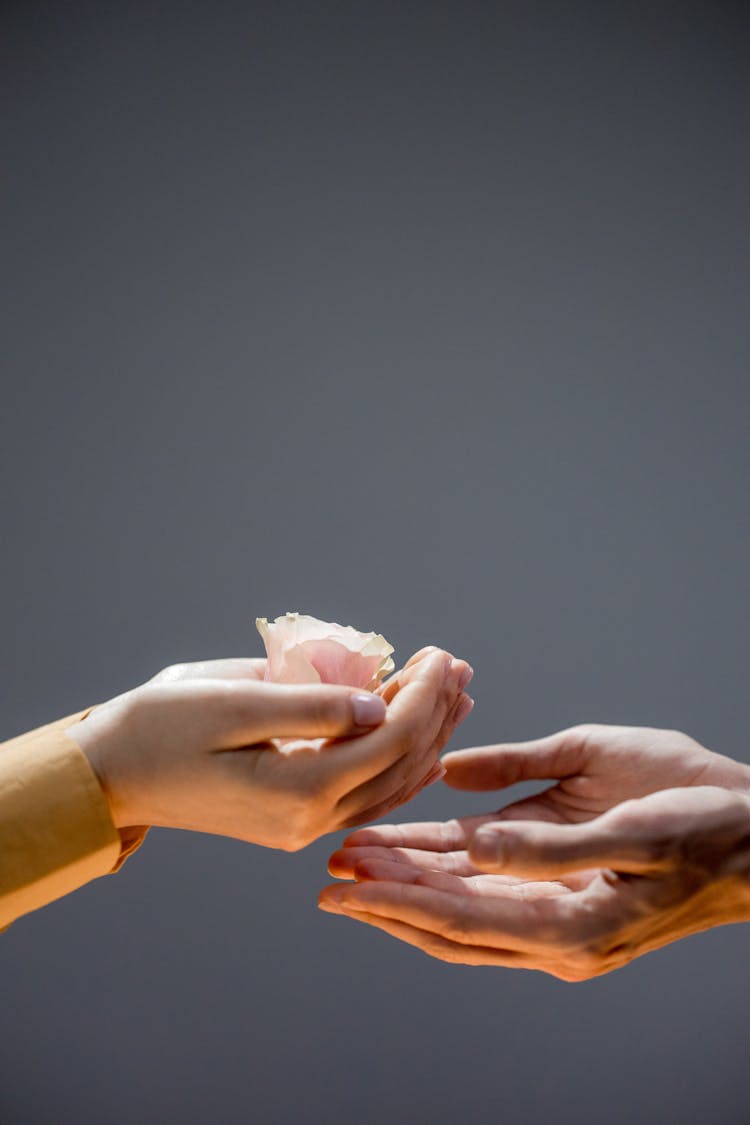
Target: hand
(193,748)
(581,883)
(597,767)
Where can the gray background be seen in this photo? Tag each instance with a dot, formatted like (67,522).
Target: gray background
(426,317)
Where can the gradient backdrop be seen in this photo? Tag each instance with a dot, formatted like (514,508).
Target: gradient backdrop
(427,317)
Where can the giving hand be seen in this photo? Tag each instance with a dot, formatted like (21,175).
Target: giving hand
(194,748)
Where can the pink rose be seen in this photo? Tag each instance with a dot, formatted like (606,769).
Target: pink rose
(303,650)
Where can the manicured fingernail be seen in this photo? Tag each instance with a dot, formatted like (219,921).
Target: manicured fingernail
(368,710)
(488,847)
(465,707)
(466,677)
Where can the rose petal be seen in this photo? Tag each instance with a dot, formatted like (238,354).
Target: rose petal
(303,649)
(337,664)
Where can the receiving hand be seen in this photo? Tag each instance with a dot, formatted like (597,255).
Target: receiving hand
(195,748)
(644,839)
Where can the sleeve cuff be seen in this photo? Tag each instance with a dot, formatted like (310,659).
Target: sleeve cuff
(56,831)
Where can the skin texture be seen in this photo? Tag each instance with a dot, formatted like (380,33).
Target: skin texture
(644,839)
(196,748)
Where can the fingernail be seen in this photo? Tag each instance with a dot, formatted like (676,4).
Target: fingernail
(328,906)
(465,707)
(368,710)
(332,901)
(466,677)
(488,847)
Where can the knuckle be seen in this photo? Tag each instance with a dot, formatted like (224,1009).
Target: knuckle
(234,700)
(171,672)
(320,711)
(585,732)
(325,708)
(141,704)
(661,845)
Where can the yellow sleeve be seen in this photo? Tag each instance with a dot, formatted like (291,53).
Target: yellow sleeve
(56,832)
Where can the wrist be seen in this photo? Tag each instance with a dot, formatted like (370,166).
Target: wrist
(100,736)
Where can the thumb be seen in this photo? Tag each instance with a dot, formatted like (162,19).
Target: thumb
(256,712)
(538,850)
(495,767)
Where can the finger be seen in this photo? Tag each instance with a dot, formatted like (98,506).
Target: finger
(230,714)
(533,849)
(495,767)
(409,789)
(361,864)
(437,946)
(506,919)
(410,724)
(382,792)
(386,871)
(544,806)
(459,670)
(646,835)
(390,688)
(405,778)
(461,711)
(434,836)
(343,862)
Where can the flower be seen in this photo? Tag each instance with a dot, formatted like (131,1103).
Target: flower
(304,650)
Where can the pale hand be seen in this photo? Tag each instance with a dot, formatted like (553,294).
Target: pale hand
(195,748)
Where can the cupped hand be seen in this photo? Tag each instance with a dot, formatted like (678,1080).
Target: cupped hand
(213,748)
(644,839)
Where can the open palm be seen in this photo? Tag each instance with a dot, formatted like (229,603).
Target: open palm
(575,907)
